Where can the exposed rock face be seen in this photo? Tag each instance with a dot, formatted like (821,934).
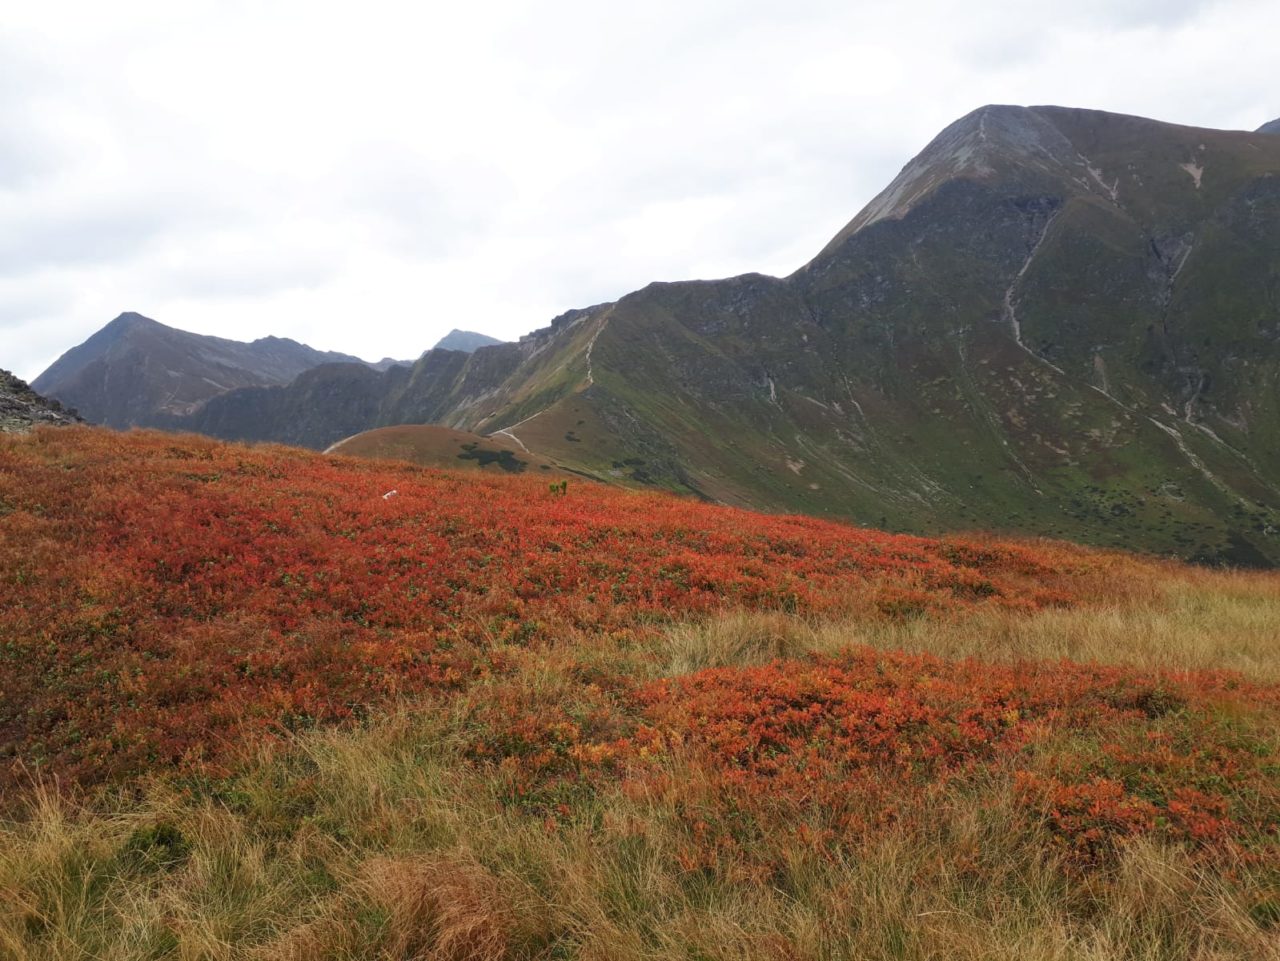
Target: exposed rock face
(466,341)
(136,371)
(1053,321)
(21,408)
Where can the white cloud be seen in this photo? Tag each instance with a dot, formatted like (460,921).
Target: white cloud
(364,177)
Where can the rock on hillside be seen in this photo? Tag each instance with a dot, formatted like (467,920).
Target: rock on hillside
(21,408)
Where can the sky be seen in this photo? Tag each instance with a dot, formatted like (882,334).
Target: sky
(365,177)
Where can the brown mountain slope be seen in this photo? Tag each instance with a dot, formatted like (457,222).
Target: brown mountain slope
(431,446)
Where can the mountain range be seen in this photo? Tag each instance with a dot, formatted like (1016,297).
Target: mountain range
(134,369)
(137,372)
(1053,321)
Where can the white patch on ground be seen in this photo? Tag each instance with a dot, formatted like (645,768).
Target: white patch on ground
(591,346)
(1115,400)
(1182,261)
(1196,462)
(332,447)
(1210,432)
(1111,189)
(773,391)
(508,430)
(795,466)
(1100,368)
(1195,170)
(1010,309)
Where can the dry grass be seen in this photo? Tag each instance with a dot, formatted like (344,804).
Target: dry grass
(1194,620)
(435,868)
(383,843)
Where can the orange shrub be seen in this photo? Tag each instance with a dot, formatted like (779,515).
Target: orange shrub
(160,595)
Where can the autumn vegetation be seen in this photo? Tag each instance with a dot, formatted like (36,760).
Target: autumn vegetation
(252,708)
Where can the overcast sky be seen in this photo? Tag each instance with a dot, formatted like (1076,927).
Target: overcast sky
(365,176)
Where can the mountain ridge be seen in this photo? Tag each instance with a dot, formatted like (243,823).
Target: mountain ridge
(167,371)
(1053,321)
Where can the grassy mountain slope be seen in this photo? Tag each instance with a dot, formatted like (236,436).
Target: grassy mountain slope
(1054,321)
(430,446)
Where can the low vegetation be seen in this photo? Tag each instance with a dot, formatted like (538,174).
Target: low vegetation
(252,709)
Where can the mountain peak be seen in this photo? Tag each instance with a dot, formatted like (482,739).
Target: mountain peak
(131,319)
(1052,151)
(467,341)
(980,145)
(136,371)
(1272,127)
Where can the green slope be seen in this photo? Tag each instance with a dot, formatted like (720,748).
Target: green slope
(1053,321)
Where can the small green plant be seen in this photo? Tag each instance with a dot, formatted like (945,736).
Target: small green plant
(559,489)
(159,846)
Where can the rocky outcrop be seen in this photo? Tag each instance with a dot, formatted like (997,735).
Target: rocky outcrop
(21,408)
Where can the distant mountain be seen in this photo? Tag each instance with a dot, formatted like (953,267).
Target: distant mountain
(21,408)
(1272,127)
(135,370)
(1053,321)
(465,341)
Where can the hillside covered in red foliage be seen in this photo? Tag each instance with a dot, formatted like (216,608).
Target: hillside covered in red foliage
(162,594)
(325,660)
(838,748)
